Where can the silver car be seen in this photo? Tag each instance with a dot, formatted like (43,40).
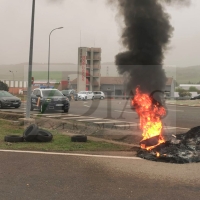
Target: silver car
(99,95)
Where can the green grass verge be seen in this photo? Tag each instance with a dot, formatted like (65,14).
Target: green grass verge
(60,142)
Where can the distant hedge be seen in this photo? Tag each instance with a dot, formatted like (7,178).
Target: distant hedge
(3,86)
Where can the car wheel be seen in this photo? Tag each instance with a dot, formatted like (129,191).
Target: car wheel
(13,138)
(1,106)
(102,98)
(17,106)
(85,99)
(66,110)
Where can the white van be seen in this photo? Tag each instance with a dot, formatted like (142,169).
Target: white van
(85,95)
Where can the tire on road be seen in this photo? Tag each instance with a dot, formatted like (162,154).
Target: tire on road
(30,133)
(13,138)
(44,136)
(79,138)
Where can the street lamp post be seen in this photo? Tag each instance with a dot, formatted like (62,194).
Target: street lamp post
(13,80)
(49,52)
(28,104)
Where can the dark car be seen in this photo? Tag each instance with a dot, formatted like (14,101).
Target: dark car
(8,100)
(196,97)
(48,100)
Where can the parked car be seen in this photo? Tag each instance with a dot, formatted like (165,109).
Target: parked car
(69,93)
(196,97)
(8,100)
(76,96)
(49,99)
(85,95)
(99,95)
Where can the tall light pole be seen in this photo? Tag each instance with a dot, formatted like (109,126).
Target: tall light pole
(49,52)
(13,80)
(28,101)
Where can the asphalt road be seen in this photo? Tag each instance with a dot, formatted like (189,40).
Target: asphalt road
(119,110)
(46,177)
(41,176)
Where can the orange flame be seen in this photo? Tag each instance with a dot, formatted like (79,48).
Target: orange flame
(150,117)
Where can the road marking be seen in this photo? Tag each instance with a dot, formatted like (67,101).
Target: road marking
(121,111)
(71,154)
(109,122)
(92,119)
(51,116)
(124,125)
(86,106)
(171,127)
(75,117)
(66,115)
(176,110)
(134,112)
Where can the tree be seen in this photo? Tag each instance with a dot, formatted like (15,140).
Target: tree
(193,89)
(3,86)
(179,89)
(184,94)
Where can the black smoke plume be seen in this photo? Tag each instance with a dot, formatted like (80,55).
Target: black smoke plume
(146,34)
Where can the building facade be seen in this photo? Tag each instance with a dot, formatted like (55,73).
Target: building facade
(114,86)
(89,66)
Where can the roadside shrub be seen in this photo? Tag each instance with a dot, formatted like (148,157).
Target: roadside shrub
(3,86)
(184,94)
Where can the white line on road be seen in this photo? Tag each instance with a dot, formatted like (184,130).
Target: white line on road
(70,154)
(121,111)
(176,110)
(124,125)
(52,116)
(75,117)
(94,119)
(171,127)
(109,122)
(86,106)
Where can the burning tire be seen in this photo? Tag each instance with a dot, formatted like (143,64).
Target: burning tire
(13,138)
(44,136)
(30,133)
(79,138)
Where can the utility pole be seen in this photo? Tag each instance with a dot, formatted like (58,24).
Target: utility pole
(28,101)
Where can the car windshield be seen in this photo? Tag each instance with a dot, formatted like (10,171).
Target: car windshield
(51,93)
(5,94)
(82,92)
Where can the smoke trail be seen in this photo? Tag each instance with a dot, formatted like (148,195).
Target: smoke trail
(146,35)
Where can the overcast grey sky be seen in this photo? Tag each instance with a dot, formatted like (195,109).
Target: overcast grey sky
(98,26)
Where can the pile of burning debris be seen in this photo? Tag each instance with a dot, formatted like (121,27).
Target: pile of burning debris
(182,148)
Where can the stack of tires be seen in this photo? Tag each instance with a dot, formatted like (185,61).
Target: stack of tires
(31,134)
